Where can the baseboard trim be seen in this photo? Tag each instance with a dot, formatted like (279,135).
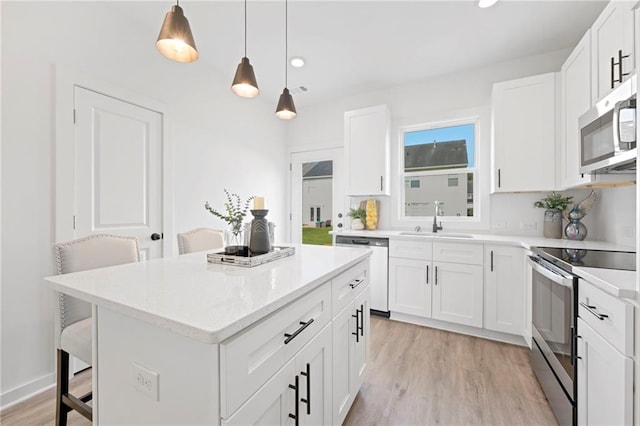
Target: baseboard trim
(26,391)
(462,329)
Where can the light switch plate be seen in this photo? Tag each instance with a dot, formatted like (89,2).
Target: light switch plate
(145,381)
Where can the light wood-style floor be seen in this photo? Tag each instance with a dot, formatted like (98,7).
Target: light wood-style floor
(416,376)
(423,376)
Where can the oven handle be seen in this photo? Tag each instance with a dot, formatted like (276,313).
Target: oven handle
(548,273)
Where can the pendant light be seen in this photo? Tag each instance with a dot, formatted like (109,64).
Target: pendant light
(244,82)
(175,40)
(286,110)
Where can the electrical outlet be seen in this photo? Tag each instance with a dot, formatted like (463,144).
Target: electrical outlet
(145,381)
(528,226)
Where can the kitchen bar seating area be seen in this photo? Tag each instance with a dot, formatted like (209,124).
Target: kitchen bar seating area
(441,231)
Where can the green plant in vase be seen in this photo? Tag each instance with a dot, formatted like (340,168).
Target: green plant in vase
(358,216)
(554,204)
(235,210)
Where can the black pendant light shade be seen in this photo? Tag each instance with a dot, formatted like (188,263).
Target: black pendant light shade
(176,40)
(244,83)
(286,109)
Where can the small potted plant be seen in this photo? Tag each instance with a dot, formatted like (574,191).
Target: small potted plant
(357,218)
(234,214)
(554,204)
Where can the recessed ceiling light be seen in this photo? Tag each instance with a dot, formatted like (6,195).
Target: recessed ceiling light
(297,61)
(486,3)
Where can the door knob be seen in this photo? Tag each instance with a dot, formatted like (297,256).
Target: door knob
(155,236)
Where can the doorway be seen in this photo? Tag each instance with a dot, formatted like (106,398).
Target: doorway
(317,197)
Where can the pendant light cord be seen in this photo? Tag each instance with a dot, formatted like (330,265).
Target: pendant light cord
(286,41)
(178,3)
(245,28)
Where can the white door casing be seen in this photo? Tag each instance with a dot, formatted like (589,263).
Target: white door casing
(297,160)
(118,163)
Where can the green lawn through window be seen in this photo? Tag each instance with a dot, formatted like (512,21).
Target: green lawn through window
(317,236)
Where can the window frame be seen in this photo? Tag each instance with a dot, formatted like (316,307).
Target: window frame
(475,120)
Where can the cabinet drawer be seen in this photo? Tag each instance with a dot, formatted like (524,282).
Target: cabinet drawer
(608,316)
(406,249)
(250,358)
(471,254)
(346,286)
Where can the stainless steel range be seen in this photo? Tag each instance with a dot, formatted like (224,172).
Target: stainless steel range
(554,312)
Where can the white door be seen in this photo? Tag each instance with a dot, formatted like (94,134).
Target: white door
(315,196)
(313,366)
(504,289)
(118,163)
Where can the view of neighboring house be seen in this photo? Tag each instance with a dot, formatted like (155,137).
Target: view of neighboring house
(317,178)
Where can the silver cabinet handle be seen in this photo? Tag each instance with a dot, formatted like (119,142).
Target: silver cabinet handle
(592,310)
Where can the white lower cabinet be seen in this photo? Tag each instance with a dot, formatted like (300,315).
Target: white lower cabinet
(457,293)
(605,381)
(409,286)
(350,353)
(304,364)
(271,404)
(300,390)
(504,288)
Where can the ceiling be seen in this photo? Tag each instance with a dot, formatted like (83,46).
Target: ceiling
(359,46)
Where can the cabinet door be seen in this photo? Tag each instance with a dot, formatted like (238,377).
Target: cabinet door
(605,381)
(575,100)
(504,289)
(611,32)
(350,353)
(271,404)
(343,353)
(410,286)
(367,147)
(523,142)
(457,293)
(361,346)
(313,366)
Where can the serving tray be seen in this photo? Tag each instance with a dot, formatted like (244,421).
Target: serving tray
(277,252)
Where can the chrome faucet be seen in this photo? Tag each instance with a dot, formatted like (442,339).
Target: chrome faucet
(437,213)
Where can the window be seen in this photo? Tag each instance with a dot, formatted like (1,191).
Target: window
(439,164)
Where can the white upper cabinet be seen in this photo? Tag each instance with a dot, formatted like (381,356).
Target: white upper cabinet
(612,47)
(523,134)
(575,100)
(366,146)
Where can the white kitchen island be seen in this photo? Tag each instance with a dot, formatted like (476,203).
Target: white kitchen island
(185,342)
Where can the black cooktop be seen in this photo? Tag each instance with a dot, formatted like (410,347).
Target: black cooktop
(566,258)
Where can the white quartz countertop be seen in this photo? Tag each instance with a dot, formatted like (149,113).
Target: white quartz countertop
(205,301)
(616,282)
(464,236)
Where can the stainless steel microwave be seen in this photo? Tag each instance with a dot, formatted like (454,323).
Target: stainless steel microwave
(608,131)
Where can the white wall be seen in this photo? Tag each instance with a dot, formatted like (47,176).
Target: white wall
(213,148)
(612,219)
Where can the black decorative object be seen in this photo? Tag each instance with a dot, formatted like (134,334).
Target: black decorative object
(259,243)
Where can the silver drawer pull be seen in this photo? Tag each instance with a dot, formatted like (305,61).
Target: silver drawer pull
(592,309)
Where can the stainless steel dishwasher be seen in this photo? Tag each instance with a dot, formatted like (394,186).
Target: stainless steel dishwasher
(379,272)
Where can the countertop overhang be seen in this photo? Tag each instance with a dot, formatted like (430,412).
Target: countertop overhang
(205,301)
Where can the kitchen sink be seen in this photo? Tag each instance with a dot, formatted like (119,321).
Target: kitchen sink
(438,234)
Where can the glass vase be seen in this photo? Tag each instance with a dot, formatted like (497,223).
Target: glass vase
(234,241)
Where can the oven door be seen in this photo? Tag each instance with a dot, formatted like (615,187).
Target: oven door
(554,297)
